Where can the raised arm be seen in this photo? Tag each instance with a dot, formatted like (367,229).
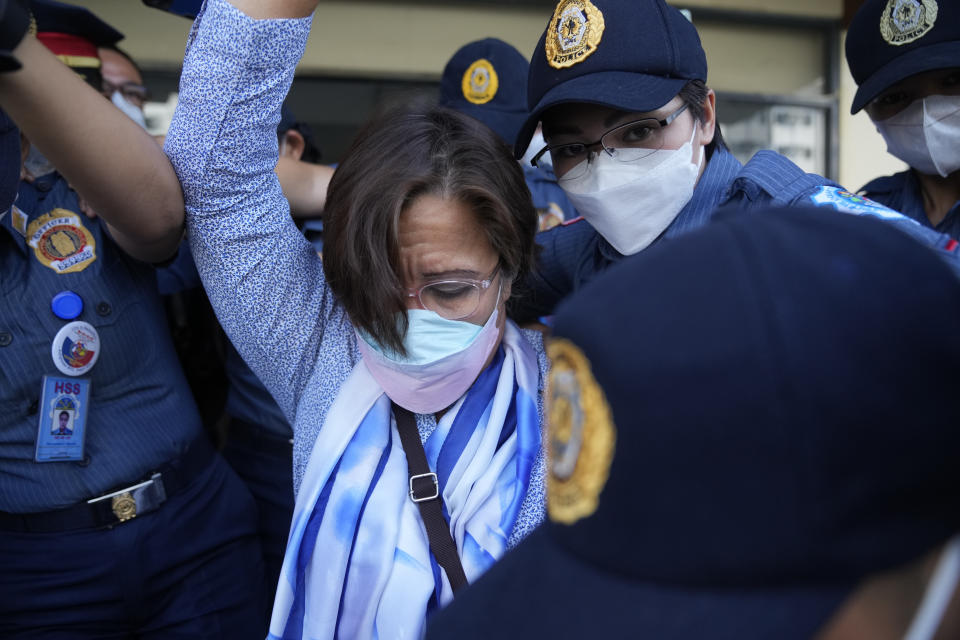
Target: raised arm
(115,164)
(263,278)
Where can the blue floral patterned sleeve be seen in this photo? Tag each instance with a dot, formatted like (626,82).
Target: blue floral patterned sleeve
(263,278)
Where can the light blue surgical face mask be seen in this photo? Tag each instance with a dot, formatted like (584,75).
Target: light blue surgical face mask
(443,359)
(429,337)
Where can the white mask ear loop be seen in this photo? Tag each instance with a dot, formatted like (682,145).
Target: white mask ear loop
(938,595)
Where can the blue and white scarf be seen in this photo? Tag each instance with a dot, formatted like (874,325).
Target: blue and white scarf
(358,562)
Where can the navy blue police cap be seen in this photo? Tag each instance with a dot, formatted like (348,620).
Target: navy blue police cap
(487,80)
(763,415)
(890,40)
(73,34)
(632,55)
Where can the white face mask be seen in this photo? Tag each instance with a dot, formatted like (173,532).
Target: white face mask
(939,593)
(37,164)
(536,143)
(926,135)
(631,203)
(133,112)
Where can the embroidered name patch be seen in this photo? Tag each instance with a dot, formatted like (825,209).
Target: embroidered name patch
(904,21)
(480,82)
(581,435)
(61,242)
(574,33)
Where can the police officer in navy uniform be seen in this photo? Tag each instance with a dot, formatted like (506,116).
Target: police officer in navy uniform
(132,524)
(905,58)
(756,439)
(620,88)
(487,80)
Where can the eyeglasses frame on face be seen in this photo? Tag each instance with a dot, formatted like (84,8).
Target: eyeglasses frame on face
(663,123)
(139,91)
(481,285)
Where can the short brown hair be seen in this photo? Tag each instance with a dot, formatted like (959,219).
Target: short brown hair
(405,152)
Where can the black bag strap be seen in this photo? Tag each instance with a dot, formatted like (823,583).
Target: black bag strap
(425,491)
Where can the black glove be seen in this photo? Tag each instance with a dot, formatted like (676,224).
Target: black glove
(14,24)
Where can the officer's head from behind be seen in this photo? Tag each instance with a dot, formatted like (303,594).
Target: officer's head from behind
(620,86)
(767,450)
(905,58)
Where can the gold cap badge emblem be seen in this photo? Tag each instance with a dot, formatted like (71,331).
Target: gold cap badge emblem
(574,33)
(904,21)
(581,435)
(480,82)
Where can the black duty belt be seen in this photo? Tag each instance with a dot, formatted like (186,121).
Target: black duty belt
(121,505)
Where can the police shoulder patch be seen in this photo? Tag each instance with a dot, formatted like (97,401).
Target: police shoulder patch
(847,202)
(574,33)
(480,82)
(581,435)
(904,21)
(61,242)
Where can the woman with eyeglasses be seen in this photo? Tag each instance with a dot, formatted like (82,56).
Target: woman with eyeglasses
(400,327)
(631,128)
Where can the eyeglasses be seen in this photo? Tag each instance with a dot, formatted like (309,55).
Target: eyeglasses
(135,93)
(626,142)
(453,299)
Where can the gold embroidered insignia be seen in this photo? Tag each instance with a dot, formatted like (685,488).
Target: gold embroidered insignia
(61,242)
(574,33)
(904,21)
(480,82)
(580,435)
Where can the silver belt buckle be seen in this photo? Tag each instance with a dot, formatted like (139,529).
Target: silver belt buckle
(135,500)
(436,487)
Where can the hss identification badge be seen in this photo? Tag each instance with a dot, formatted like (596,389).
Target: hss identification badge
(63,419)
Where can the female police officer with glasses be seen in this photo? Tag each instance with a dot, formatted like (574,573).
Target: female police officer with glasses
(427,224)
(620,88)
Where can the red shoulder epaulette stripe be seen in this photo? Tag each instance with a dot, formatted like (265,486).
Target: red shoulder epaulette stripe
(567,223)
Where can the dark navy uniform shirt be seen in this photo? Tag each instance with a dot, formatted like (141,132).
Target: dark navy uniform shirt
(247,398)
(902,192)
(574,253)
(141,413)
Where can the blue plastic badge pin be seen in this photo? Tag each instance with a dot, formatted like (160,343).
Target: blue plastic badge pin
(63,419)
(66,305)
(76,348)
